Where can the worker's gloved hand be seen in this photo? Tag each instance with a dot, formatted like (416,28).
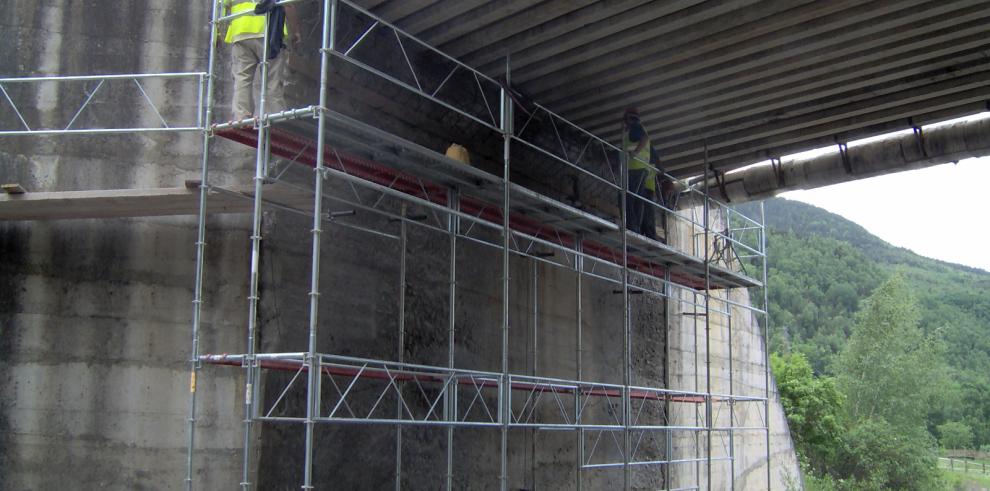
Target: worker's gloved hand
(264,6)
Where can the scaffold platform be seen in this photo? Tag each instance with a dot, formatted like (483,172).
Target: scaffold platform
(147,202)
(366,154)
(564,404)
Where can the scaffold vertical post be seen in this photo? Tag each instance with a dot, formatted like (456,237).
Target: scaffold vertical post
(312,360)
(579,268)
(403,240)
(534,347)
(766,338)
(697,381)
(708,324)
(535,278)
(450,408)
(261,163)
(205,117)
(505,409)
(626,346)
(668,435)
(732,400)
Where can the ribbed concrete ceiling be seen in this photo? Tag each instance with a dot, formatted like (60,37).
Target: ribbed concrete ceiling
(748,79)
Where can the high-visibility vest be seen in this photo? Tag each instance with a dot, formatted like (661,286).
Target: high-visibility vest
(252,25)
(641,160)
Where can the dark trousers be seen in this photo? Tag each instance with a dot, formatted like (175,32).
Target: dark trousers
(639,212)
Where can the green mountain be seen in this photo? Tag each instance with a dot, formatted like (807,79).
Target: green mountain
(820,267)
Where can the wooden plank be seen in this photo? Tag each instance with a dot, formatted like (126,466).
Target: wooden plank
(123,203)
(13,189)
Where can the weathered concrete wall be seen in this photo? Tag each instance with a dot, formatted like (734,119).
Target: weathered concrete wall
(687,365)
(95,315)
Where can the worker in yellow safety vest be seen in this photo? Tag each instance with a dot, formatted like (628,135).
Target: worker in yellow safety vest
(246,35)
(642,175)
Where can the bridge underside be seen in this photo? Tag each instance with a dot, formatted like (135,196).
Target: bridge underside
(748,80)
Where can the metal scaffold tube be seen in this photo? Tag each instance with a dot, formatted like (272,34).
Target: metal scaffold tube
(626,341)
(401,344)
(732,403)
(534,348)
(766,340)
(505,410)
(260,167)
(450,408)
(205,112)
(668,437)
(535,277)
(578,267)
(697,384)
(708,337)
(313,386)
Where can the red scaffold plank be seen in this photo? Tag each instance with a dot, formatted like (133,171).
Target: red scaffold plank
(401,375)
(287,145)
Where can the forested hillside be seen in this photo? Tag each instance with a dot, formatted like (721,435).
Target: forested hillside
(825,273)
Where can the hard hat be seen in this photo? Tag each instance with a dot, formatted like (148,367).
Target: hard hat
(631,111)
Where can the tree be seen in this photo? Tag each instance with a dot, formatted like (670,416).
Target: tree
(813,407)
(955,435)
(822,259)
(889,369)
(876,455)
(890,374)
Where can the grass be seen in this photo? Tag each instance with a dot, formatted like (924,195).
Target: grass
(959,481)
(955,480)
(974,465)
(942,453)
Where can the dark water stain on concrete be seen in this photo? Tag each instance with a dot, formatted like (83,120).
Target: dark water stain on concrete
(13,256)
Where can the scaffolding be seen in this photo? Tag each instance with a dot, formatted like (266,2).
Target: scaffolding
(710,266)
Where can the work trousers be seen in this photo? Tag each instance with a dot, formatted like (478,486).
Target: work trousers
(639,212)
(247,57)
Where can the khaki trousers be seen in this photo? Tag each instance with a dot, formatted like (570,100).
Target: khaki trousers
(247,57)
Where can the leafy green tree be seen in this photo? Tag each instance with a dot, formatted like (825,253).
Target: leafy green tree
(813,407)
(876,455)
(818,258)
(955,435)
(890,372)
(889,369)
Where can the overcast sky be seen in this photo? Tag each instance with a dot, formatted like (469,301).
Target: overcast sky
(941,212)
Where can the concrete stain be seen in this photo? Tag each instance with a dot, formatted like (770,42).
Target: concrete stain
(13,238)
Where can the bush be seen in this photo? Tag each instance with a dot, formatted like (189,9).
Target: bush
(877,455)
(954,434)
(812,405)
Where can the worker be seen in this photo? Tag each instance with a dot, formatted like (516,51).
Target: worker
(246,35)
(641,174)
